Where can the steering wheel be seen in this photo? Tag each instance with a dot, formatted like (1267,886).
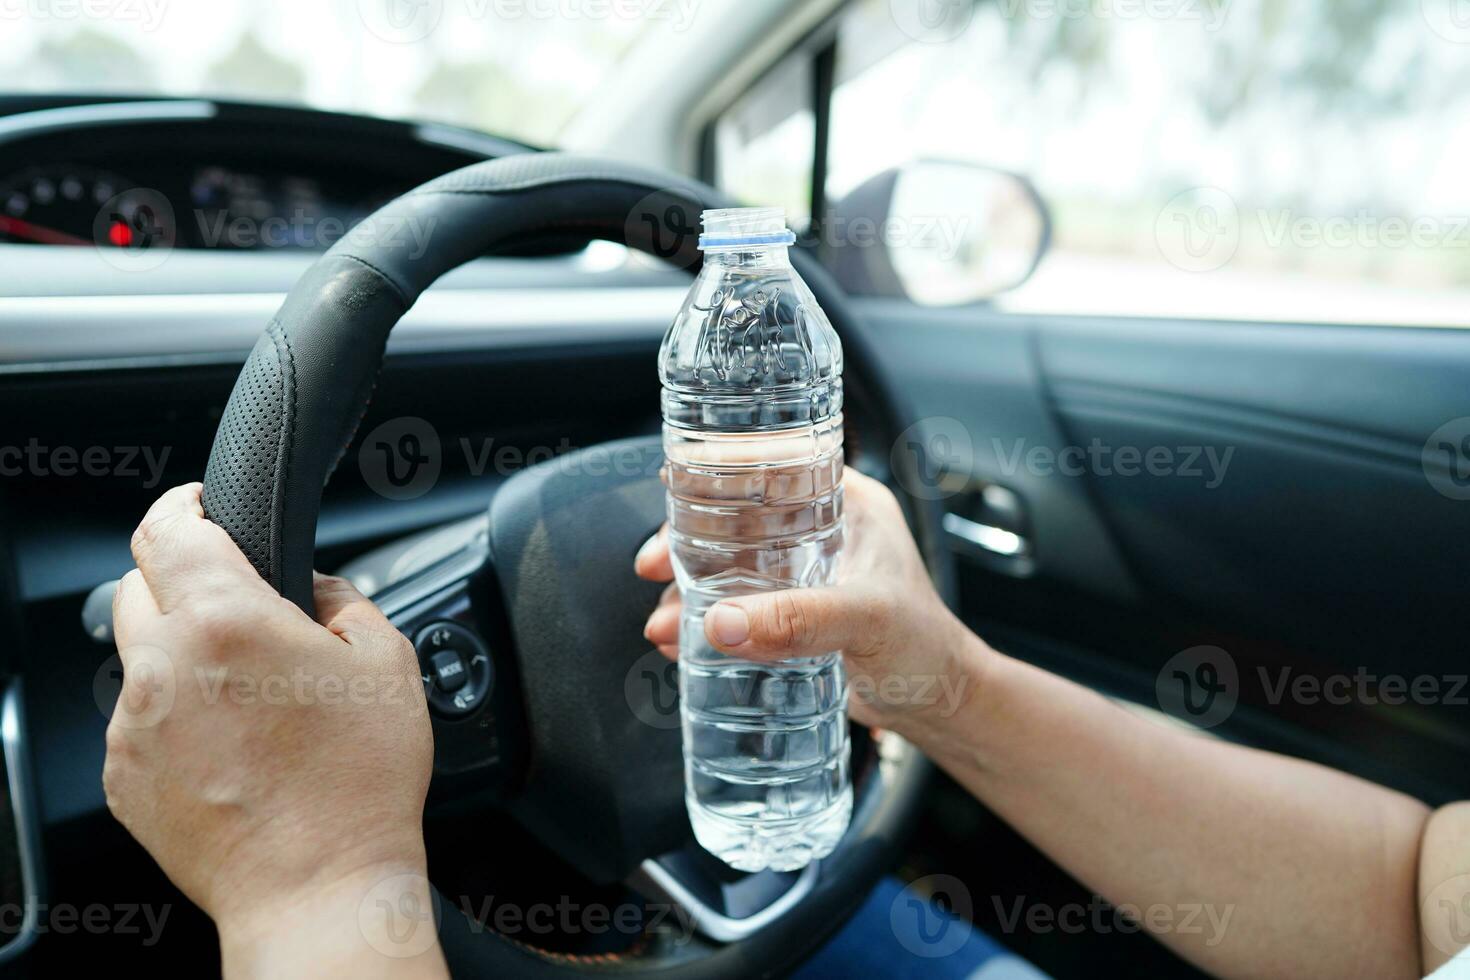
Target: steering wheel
(542,602)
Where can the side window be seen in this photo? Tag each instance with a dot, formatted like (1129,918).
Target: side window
(1299,160)
(764,144)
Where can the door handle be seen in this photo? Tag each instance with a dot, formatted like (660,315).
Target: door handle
(996,540)
(989,524)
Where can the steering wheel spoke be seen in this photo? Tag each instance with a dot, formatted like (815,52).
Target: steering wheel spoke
(722,904)
(436,589)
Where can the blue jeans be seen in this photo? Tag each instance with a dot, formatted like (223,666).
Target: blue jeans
(900,935)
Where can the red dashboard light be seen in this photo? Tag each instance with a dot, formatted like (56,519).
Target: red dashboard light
(120,234)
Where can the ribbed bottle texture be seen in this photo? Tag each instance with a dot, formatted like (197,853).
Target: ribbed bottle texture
(753,438)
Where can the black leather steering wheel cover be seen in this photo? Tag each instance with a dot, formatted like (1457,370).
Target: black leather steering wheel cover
(308,381)
(307,384)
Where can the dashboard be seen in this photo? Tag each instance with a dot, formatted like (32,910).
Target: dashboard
(211,205)
(205,175)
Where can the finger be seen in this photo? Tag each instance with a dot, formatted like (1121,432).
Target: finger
(794,623)
(181,554)
(862,482)
(670,650)
(669,603)
(864,493)
(662,628)
(653,561)
(341,608)
(133,611)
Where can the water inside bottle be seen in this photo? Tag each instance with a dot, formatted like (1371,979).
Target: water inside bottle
(766,745)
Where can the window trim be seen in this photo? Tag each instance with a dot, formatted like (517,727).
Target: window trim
(824,76)
(819,46)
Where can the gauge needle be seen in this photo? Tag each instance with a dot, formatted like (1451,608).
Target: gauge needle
(39,234)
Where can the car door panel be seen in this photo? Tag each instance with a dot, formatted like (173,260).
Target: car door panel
(974,389)
(1319,557)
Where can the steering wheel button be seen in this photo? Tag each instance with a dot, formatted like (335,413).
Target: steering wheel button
(449,671)
(456,666)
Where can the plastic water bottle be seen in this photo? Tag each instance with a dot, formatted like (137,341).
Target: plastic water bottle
(752,405)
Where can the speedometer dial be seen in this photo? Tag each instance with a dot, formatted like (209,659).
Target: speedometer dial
(62,205)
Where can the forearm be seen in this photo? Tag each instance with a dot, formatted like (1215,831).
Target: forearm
(375,925)
(1297,870)
(1444,884)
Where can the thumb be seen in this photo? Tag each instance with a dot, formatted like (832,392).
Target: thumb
(792,623)
(346,611)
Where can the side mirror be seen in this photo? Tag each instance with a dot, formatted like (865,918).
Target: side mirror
(939,233)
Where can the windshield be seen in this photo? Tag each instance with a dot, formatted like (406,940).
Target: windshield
(516,68)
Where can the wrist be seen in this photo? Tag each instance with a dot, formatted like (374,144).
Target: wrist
(379,919)
(980,739)
(965,663)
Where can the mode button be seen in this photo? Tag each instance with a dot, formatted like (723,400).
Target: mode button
(456,668)
(449,672)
